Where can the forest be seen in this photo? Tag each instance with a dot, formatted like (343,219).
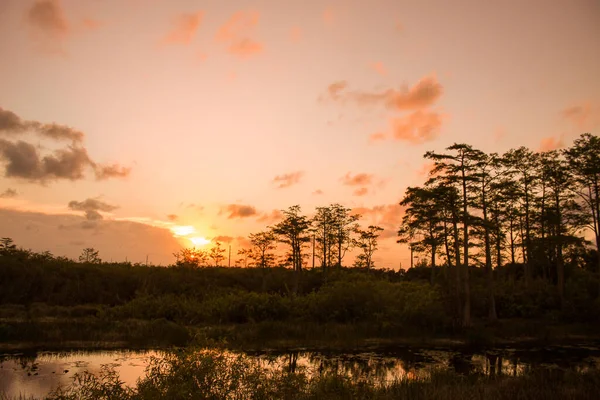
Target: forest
(511,243)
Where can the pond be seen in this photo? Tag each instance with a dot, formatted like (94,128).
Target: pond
(37,373)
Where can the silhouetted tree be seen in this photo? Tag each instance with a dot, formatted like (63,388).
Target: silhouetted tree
(90,255)
(264,243)
(216,253)
(366,241)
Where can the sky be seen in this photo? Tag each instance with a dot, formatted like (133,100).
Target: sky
(140,127)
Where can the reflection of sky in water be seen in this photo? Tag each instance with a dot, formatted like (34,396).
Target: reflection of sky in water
(36,375)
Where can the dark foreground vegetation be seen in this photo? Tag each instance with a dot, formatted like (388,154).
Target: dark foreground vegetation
(48,300)
(216,375)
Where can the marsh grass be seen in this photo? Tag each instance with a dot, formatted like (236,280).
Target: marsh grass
(210,374)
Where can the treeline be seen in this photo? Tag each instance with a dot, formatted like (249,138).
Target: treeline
(368,302)
(489,210)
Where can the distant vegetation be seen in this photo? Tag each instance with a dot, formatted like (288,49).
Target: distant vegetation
(504,238)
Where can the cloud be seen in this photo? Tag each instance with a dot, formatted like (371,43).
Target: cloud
(223,239)
(422,95)
(418,127)
(235,34)
(270,217)
(361,191)
(184,28)
(379,68)
(48,16)
(8,194)
(551,143)
(12,124)
(23,160)
(238,211)
(387,216)
(116,239)
(91,208)
(361,179)
(91,23)
(425,169)
(377,137)
(584,116)
(49,25)
(287,180)
(104,172)
(172,217)
(335,89)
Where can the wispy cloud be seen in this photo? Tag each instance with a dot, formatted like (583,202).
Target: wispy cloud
(417,127)
(8,194)
(287,180)
(238,211)
(184,28)
(236,34)
(421,95)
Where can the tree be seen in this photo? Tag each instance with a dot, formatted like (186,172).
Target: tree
(344,225)
(366,241)
(7,246)
(216,253)
(293,230)
(191,257)
(486,173)
(559,180)
(422,219)
(263,243)
(522,166)
(583,158)
(458,169)
(90,255)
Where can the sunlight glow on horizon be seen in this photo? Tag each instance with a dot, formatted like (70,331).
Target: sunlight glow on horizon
(199,241)
(184,230)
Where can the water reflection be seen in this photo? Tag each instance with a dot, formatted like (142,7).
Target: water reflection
(36,374)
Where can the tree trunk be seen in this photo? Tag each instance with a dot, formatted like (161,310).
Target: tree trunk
(560,266)
(467,288)
(458,264)
(492,316)
(527,252)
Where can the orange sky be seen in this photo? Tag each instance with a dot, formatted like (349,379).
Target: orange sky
(215,114)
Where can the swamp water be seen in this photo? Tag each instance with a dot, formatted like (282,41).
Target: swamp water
(37,373)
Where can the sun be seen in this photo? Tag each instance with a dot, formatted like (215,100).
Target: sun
(199,240)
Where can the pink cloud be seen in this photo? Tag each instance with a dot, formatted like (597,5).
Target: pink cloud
(421,95)
(361,191)
(418,127)
(357,180)
(551,143)
(287,180)
(184,28)
(235,34)
(584,116)
(379,68)
(238,211)
(377,137)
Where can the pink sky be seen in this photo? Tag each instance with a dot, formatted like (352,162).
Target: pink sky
(215,114)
